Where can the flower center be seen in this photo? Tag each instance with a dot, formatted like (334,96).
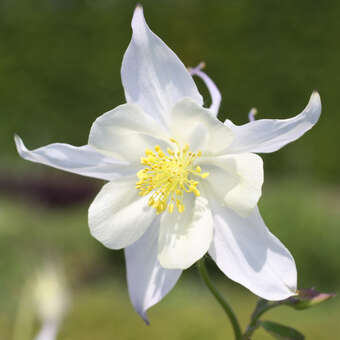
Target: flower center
(168,176)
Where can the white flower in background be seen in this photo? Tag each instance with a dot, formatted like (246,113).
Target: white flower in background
(181,183)
(51,300)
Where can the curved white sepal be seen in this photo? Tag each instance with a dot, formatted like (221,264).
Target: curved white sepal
(148,281)
(83,160)
(269,135)
(248,253)
(152,74)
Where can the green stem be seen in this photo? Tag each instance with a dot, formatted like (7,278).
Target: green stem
(24,320)
(261,307)
(220,299)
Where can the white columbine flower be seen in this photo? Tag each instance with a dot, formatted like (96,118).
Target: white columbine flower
(51,299)
(180,182)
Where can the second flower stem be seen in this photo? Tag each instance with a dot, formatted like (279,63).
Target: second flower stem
(261,307)
(220,299)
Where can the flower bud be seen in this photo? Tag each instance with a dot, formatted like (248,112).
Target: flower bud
(307,298)
(50,294)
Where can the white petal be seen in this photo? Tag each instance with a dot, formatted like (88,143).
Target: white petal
(248,253)
(83,160)
(185,237)
(268,135)
(215,93)
(236,180)
(152,74)
(195,125)
(148,281)
(119,216)
(125,132)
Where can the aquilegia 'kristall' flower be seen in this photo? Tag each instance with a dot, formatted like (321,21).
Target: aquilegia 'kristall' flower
(51,298)
(180,182)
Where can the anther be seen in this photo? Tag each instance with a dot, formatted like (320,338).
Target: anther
(168,175)
(171,208)
(196,192)
(186,148)
(149,152)
(205,175)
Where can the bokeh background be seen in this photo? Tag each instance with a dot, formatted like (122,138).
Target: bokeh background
(60,68)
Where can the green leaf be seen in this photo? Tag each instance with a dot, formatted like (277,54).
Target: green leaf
(281,332)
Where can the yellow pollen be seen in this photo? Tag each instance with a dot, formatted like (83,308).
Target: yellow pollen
(171,208)
(168,175)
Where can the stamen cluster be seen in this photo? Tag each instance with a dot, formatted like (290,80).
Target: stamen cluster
(167,175)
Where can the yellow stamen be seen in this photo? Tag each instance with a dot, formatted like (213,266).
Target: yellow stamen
(171,208)
(168,176)
(151,201)
(180,207)
(149,152)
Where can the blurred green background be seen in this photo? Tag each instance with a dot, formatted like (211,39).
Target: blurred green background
(60,68)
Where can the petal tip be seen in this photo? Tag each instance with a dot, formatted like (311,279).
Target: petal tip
(17,139)
(314,106)
(19,144)
(167,263)
(142,313)
(145,319)
(138,16)
(163,262)
(316,96)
